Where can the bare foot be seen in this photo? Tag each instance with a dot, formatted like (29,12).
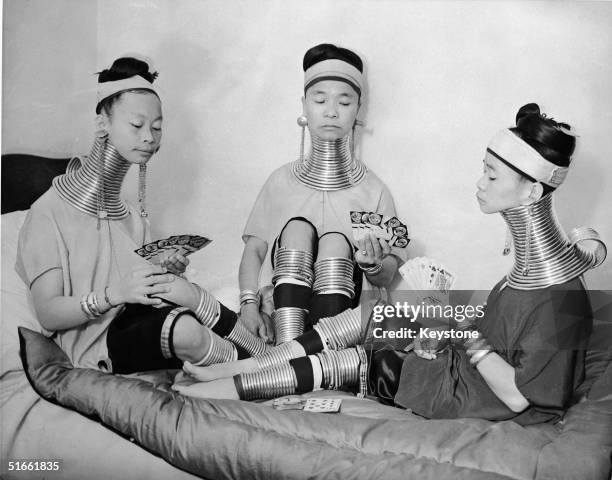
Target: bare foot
(181,378)
(222,388)
(220,370)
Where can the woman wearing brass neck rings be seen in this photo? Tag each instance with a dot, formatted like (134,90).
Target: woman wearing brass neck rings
(297,236)
(77,251)
(523,360)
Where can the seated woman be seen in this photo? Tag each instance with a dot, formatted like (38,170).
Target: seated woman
(522,360)
(297,236)
(77,252)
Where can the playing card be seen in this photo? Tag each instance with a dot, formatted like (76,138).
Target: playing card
(422,273)
(439,278)
(157,251)
(383,227)
(288,403)
(323,405)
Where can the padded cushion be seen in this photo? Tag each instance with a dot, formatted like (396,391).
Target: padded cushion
(233,439)
(27,177)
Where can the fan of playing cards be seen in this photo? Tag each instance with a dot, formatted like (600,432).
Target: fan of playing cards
(184,245)
(422,273)
(382,226)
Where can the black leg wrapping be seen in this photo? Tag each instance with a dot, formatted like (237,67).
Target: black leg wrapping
(242,353)
(303,373)
(311,341)
(227,320)
(291,295)
(329,305)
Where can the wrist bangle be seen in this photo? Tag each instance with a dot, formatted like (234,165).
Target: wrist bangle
(99,308)
(478,357)
(477,343)
(86,309)
(248,301)
(249,296)
(94,306)
(372,270)
(107,299)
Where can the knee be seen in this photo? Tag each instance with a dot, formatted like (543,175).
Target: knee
(334,244)
(298,234)
(190,339)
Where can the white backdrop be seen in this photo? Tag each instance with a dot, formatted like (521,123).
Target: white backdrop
(443,78)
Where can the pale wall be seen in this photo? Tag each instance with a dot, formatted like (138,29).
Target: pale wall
(443,77)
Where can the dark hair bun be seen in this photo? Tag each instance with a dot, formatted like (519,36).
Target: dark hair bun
(327,51)
(528,109)
(126,67)
(549,138)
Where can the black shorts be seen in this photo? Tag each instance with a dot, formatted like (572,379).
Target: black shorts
(134,340)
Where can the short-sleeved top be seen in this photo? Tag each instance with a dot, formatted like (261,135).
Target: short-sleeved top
(542,333)
(55,235)
(283,197)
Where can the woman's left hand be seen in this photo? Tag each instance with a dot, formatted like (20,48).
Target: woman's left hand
(175,263)
(372,250)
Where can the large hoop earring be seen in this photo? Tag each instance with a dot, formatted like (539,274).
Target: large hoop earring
(101,134)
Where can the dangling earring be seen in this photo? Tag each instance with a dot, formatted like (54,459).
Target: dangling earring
(302,121)
(101,136)
(358,123)
(508,242)
(142,189)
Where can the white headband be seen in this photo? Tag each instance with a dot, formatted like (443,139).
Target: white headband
(509,148)
(107,89)
(334,69)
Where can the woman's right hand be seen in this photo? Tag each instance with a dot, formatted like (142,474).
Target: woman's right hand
(141,284)
(371,251)
(427,347)
(258,323)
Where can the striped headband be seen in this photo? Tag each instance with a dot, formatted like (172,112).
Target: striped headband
(516,153)
(334,69)
(107,89)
